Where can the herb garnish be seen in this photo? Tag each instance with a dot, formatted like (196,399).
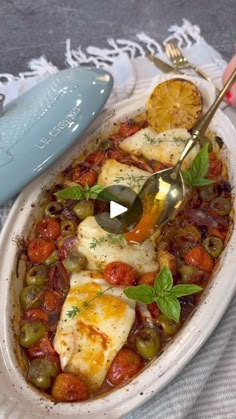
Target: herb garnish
(131,181)
(110,238)
(195,176)
(153,140)
(77,310)
(164,293)
(78,193)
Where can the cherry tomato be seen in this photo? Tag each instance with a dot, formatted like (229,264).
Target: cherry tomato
(128,128)
(215,166)
(199,257)
(126,364)
(87,177)
(48,228)
(52,301)
(42,349)
(59,277)
(215,232)
(39,249)
(116,154)
(36,314)
(154,310)
(69,388)
(97,158)
(119,273)
(148,278)
(76,174)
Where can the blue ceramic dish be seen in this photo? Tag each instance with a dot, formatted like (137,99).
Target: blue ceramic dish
(39,126)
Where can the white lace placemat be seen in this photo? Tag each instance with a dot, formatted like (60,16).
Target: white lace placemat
(207,386)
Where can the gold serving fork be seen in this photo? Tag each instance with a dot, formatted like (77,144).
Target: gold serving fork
(181,62)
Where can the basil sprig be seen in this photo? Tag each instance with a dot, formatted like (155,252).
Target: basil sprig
(86,193)
(195,176)
(164,293)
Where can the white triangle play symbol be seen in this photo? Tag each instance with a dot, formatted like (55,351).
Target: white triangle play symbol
(116,209)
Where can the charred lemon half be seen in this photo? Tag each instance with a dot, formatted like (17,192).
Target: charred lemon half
(175,103)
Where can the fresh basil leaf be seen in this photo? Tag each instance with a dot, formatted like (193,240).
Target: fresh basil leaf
(164,280)
(107,196)
(185,289)
(143,293)
(187,177)
(95,190)
(169,306)
(72,192)
(202,182)
(200,163)
(195,175)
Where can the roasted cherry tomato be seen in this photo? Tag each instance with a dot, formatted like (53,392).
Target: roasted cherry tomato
(128,128)
(59,277)
(52,301)
(36,314)
(148,278)
(97,158)
(126,364)
(119,273)
(69,388)
(84,177)
(39,249)
(116,154)
(215,166)
(42,349)
(199,257)
(215,232)
(154,310)
(48,228)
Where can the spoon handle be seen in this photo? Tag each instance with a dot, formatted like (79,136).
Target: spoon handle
(202,125)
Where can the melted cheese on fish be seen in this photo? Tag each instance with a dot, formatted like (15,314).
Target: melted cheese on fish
(115,173)
(165,147)
(101,248)
(88,342)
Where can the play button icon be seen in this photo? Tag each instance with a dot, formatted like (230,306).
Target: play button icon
(116,209)
(125,209)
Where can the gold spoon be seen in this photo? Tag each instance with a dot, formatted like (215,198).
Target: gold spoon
(163,193)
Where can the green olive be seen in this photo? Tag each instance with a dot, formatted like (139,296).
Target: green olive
(37,275)
(105,145)
(213,246)
(207,192)
(41,371)
(83,209)
(221,205)
(30,297)
(148,343)
(75,263)
(186,273)
(31,333)
(68,227)
(53,209)
(169,326)
(52,258)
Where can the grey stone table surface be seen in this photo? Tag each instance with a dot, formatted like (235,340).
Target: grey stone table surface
(30,28)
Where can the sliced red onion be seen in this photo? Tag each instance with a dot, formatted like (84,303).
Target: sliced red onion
(201,217)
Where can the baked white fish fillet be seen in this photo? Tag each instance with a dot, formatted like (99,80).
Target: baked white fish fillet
(88,342)
(115,173)
(165,147)
(101,248)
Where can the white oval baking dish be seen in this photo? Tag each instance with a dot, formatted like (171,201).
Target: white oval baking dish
(20,400)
